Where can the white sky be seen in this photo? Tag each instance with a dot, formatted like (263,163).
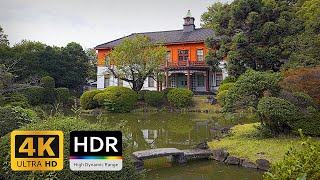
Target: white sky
(92,22)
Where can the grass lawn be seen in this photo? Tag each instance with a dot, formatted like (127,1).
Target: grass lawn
(201,103)
(244,143)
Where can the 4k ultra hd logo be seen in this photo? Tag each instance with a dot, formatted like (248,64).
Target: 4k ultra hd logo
(95,151)
(36,150)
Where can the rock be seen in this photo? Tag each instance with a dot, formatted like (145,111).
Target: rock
(138,164)
(248,164)
(232,160)
(191,154)
(263,164)
(202,145)
(220,155)
(155,153)
(96,111)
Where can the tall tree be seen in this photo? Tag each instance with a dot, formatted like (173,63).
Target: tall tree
(3,38)
(92,63)
(251,32)
(135,59)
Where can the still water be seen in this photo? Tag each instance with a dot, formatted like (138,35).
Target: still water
(181,131)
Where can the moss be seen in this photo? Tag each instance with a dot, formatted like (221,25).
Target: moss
(243,142)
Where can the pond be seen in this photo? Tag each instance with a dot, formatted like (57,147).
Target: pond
(181,131)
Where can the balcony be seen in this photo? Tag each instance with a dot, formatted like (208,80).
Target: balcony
(184,64)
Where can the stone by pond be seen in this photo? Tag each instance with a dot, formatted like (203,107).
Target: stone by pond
(177,130)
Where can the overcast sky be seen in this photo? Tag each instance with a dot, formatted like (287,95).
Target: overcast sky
(92,22)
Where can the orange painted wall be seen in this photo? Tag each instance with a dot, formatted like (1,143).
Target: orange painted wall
(173,48)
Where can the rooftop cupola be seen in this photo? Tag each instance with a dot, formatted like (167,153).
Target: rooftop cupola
(188,25)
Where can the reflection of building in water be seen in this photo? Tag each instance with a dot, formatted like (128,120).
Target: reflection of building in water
(149,135)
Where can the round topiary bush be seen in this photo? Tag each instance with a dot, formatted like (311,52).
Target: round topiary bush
(154,98)
(225,86)
(12,118)
(119,99)
(229,79)
(221,97)
(141,94)
(47,82)
(100,98)
(87,101)
(180,97)
(166,91)
(62,94)
(276,114)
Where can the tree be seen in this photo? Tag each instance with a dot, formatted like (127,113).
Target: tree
(3,38)
(92,63)
(251,32)
(135,59)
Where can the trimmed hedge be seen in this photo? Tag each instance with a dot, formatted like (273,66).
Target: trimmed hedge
(62,94)
(180,97)
(100,98)
(225,86)
(15,99)
(35,94)
(154,98)
(221,96)
(87,101)
(308,122)
(276,114)
(47,82)
(65,124)
(228,79)
(119,99)
(166,91)
(141,94)
(12,118)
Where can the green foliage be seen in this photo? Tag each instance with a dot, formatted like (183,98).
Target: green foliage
(180,97)
(166,91)
(309,122)
(302,163)
(47,82)
(221,96)
(136,59)
(12,118)
(141,94)
(276,114)
(154,98)
(250,87)
(62,94)
(225,86)
(299,99)
(119,99)
(100,98)
(229,79)
(15,99)
(87,101)
(35,94)
(66,125)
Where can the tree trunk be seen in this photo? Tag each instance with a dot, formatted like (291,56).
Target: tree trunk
(137,85)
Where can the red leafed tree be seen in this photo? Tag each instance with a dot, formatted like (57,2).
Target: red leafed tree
(305,80)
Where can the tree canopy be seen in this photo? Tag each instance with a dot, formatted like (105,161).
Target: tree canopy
(135,59)
(264,34)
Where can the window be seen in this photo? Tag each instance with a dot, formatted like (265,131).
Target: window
(199,54)
(168,57)
(150,82)
(219,79)
(106,82)
(200,80)
(183,55)
(120,82)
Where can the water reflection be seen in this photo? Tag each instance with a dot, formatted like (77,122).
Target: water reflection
(163,129)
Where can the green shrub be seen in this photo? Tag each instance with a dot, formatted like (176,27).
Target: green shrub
(62,94)
(180,97)
(141,94)
(221,97)
(15,99)
(12,118)
(249,88)
(299,99)
(35,94)
(47,82)
(87,101)
(299,163)
(100,98)
(166,91)
(225,86)
(309,123)
(154,98)
(276,114)
(65,124)
(119,99)
(229,79)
